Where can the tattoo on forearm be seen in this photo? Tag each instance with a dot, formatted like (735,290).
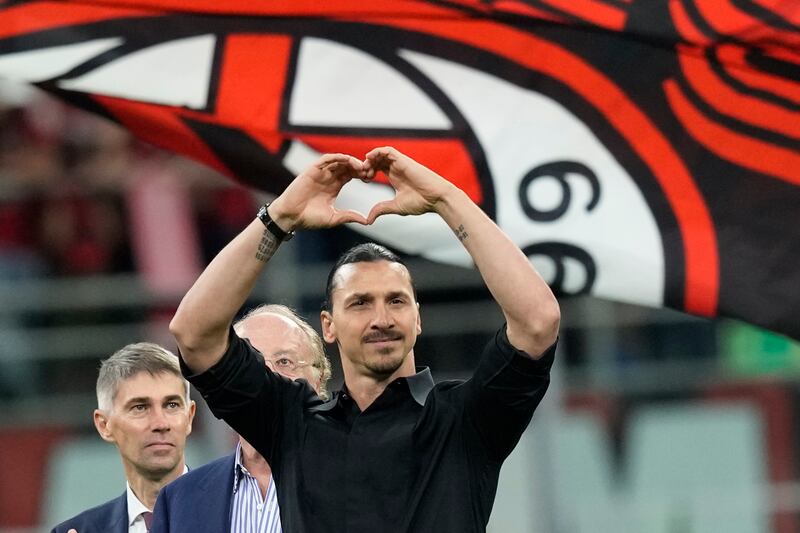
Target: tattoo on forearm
(461,233)
(267,246)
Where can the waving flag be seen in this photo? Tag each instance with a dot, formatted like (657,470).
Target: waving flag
(644,151)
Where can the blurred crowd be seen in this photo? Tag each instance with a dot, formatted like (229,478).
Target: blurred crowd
(71,205)
(65,183)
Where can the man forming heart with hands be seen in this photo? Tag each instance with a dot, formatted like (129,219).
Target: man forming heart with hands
(391,451)
(308,202)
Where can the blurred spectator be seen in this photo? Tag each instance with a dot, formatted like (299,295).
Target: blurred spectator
(83,235)
(221,213)
(18,255)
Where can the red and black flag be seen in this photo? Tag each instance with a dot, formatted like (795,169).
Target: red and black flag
(644,151)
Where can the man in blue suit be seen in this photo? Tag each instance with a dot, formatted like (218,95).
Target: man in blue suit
(143,407)
(236,493)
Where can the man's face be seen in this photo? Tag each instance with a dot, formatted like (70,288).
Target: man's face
(149,423)
(285,346)
(374,318)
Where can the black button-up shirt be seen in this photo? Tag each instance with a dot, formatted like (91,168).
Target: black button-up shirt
(423,457)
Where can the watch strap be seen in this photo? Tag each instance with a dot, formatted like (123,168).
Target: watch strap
(263,216)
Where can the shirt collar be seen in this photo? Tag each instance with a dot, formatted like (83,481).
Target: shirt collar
(135,505)
(420,384)
(238,467)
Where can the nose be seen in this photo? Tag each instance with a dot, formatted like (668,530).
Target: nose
(383,317)
(159,421)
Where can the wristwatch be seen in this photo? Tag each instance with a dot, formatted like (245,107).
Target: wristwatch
(263,216)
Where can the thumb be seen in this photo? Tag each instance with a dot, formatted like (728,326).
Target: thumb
(382,208)
(348,215)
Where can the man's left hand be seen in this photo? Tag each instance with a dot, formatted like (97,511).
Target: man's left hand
(418,189)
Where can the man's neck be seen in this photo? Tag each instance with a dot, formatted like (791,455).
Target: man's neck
(365,388)
(146,489)
(258,467)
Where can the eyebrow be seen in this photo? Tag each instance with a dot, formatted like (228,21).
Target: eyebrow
(138,399)
(370,295)
(396,294)
(284,353)
(174,397)
(148,400)
(360,296)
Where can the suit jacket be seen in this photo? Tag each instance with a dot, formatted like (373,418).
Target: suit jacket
(111,517)
(198,501)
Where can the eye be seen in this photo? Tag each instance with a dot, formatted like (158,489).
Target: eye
(397,301)
(284,362)
(139,407)
(357,302)
(173,405)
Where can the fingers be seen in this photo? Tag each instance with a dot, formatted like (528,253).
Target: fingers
(382,208)
(341,166)
(327,159)
(382,152)
(380,159)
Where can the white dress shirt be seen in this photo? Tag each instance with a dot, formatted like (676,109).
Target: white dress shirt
(136,508)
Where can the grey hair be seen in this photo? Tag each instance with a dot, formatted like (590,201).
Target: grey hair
(129,361)
(321,361)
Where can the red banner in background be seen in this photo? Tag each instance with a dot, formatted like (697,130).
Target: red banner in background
(639,151)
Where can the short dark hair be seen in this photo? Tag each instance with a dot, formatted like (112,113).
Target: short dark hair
(367,252)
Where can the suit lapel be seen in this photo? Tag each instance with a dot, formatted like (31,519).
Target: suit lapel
(216,493)
(118,519)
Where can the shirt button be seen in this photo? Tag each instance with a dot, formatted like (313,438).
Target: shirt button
(259,506)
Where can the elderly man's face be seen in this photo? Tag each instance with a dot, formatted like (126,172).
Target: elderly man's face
(149,423)
(284,345)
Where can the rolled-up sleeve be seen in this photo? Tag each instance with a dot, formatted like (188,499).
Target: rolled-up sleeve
(240,390)
(504,392)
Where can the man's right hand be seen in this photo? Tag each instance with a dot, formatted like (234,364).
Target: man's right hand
(308,202)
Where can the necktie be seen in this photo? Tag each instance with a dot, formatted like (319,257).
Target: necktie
(148,519)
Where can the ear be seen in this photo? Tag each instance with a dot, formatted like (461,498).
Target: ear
(192,409)
(317,383)
(419,321)
(103,425)
(328,329)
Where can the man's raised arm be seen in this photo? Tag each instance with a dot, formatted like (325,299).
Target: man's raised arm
(203,318)
(530,309)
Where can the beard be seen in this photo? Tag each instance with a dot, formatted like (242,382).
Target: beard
(386,360)
(384,364)
(380,361)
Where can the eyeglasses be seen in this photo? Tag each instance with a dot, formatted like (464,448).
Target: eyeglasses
(285,364)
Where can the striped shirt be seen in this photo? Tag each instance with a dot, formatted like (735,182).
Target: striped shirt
(249,512)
